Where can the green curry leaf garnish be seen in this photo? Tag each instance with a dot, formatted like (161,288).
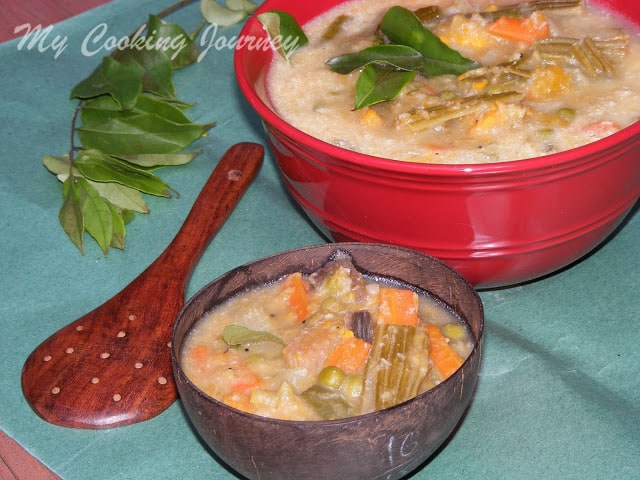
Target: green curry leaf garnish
(377,85)
(398,57)
(410,47)
(285,33)
(237,335)
(403,27)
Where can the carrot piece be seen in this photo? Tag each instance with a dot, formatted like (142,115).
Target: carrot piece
(525,30)
(245,381)
(601,129)
(200,354)
(398,306)
(297,296)
(234,374)
(442,355)
(350,355)
(240,401)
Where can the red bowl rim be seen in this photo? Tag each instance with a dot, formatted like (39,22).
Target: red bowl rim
(566,158)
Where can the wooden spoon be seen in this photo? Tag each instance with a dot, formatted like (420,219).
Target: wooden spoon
(112,366)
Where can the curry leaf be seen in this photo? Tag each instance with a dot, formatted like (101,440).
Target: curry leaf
(119,231)
(401,26)
(121,196)
(410,48)
(98,219)
(139,131)
(236,335)
(223,16)
(245,5)
(102,109)
(143,63)
(140,134)
(122,82)
(154,68)
(70,215)
(377,85)
(100,167)
(173,41)
(393,56)
(168,110)
(284,32)
(60,166)
(127,215)
(152,160)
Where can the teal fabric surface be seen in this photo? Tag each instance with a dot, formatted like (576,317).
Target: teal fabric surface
(559,391)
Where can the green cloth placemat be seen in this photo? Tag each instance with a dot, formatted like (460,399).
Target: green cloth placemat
(559,392)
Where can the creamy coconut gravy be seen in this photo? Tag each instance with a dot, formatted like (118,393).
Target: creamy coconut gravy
(561,103)
(327,345)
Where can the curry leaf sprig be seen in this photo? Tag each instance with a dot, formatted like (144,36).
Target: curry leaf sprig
(128,123)
(285,34)
(233,12)
(411,49)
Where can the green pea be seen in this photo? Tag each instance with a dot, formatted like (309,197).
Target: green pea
(545,132)
(331,377)
(566,113)
(353,386)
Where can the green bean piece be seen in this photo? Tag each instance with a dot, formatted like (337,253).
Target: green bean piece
(420,120)
(615,47)
(397,365)
(556,48)
(496,73)
(594,62)
(428,14)
(593,55)
(329,403)
(335,27)
(527,8)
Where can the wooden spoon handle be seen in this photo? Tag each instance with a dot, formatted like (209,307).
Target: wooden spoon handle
(112,366)
(233,175)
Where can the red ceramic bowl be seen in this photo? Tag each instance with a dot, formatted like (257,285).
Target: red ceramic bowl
(497,224)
